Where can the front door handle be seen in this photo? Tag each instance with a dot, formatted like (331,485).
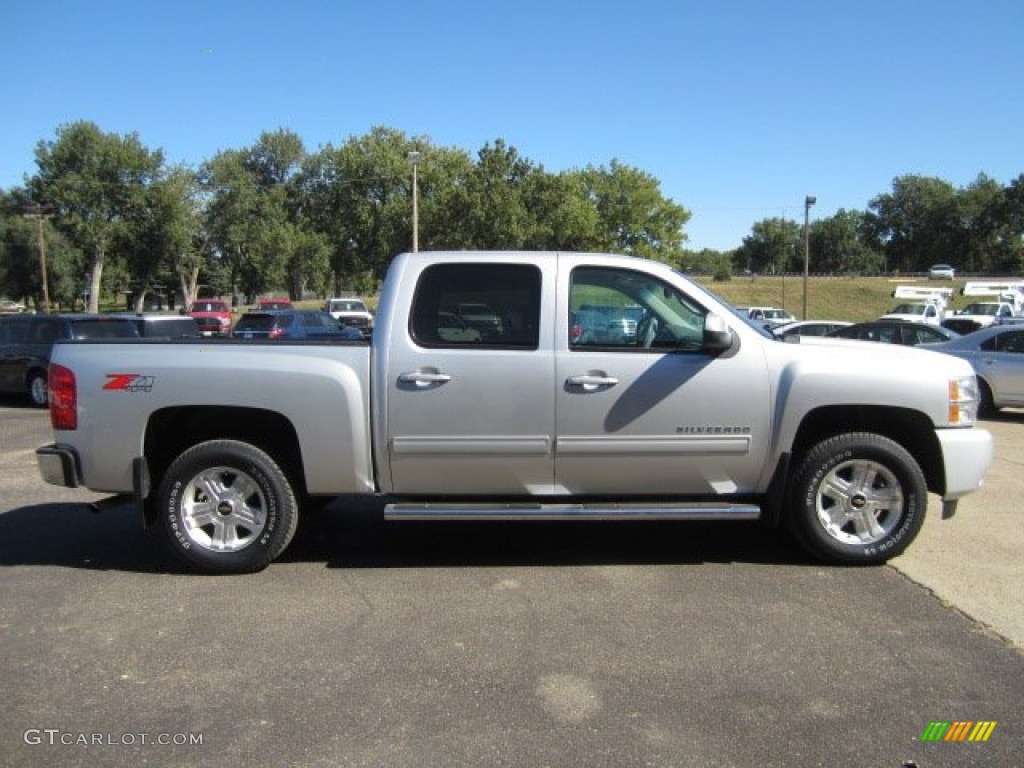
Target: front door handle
(592,381)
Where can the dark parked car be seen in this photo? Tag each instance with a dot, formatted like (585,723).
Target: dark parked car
(894,332)
(292,324)
(26,342)
(997,354)
(807,328)
(153,325)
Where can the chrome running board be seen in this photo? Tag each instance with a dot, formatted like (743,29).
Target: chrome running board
(595,511)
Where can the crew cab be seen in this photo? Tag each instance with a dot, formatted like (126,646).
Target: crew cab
(700,414)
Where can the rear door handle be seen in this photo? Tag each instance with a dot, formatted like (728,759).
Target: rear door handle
(425,378)
(592,381)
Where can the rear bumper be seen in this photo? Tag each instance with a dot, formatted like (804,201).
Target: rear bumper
(966,456)
(58,464)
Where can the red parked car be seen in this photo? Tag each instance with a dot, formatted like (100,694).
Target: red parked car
(265,304)
(213,316)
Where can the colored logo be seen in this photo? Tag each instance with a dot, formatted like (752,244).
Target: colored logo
(958,730)
(129,382)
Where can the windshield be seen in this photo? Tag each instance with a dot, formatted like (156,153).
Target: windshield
(209,306)
(347,306)
(980,309)
(909,309)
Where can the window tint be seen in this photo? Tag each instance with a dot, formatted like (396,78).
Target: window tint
(618,308)
(255,323)
(1011,342)
(45,331)
(103,329)
(497,305)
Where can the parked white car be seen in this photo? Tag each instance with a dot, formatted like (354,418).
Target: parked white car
(351,312)
(770,315)
(981,314)
(928,312)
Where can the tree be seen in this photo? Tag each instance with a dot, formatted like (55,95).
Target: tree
(359,197)
(158,238)
(95,182)
(254,204)
(20,267)
(838,245)
(634,217)
(917,223)
(771,247)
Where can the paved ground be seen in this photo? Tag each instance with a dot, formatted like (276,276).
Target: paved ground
(975,562)
(376,644)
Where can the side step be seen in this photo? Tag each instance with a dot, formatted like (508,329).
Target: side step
(595,511)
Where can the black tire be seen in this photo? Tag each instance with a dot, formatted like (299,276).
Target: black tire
(226,507)
(38,391)
(857,498)
(986,404)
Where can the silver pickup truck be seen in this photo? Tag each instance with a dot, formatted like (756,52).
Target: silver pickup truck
(694,413)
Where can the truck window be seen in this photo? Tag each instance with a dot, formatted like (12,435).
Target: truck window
(624,309)
(466,305)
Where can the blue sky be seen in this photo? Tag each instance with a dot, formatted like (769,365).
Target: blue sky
(740,109)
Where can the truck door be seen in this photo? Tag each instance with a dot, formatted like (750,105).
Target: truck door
(647,412)
(470,395)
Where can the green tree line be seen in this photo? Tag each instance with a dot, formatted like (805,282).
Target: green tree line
(118,220)
(922,221)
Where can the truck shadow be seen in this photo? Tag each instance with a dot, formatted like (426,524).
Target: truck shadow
(73,536)
(355,535)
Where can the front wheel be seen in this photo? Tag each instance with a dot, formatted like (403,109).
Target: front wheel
(227,507)
(857,498)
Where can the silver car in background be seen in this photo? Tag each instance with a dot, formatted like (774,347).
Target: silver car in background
(997,355)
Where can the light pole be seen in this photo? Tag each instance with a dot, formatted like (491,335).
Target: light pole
(40,215)
(808,202)
(414,160)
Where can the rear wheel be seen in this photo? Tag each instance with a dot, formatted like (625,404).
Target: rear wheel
(227,507)
(857,498)
(38,391)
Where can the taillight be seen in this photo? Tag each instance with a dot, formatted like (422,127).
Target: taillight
(276,333)
(63,398)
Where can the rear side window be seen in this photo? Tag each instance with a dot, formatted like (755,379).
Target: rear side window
(1011,342)
(104,329)
(466,305)
(255,323)
(12,330)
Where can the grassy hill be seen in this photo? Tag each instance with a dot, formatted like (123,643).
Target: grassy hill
(828,298)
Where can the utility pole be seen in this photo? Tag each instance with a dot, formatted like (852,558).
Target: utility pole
(414,160)
(40,215)
(808,202)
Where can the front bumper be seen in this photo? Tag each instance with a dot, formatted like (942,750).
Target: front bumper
(59,465)
(966,456)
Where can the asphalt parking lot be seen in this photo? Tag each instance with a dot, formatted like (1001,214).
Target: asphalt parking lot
(547,644)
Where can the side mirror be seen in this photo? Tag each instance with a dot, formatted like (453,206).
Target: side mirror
(718,336)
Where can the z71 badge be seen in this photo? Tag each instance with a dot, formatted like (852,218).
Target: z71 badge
(129,382)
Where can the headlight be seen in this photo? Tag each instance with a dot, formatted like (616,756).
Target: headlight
(963,401)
